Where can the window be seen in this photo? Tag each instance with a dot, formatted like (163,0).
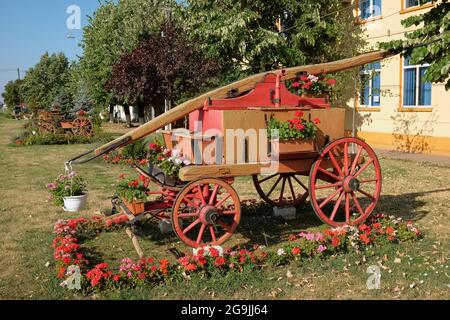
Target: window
(371,85)
(416,92)
(412,3)
(369,9)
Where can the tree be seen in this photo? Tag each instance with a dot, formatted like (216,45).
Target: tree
(430,43)
(44,81)
(244,35)
(12,94)
(113,30)
(164,65)
(62,101)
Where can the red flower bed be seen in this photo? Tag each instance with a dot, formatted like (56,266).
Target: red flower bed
(68,251)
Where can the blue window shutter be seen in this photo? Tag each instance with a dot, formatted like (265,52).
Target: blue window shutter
(425,90)
(376,8)
(409,87)
(376,88)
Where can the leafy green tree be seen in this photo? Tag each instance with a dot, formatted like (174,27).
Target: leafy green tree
(245,37)
(12,94)
(430,43)
(44,81)
(113,30)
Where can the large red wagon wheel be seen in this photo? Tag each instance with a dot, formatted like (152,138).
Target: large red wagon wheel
(282,189)
(206,211)
(345,182)
(83,127)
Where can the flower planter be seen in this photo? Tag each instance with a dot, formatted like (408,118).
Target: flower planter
(159,175)
(291,149)
(75,203)
(136,207)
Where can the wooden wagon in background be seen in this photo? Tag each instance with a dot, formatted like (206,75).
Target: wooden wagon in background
(54,121)
(340,175)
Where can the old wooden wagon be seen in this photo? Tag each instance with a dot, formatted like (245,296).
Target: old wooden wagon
(340,175)
(54,121)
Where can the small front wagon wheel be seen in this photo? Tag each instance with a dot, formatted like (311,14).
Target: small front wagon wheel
(345,182)
(206,211)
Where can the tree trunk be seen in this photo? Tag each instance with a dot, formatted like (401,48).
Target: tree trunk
(141,113)
(126,109)
(111,113)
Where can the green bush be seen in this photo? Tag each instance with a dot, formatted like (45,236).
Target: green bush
(136,150)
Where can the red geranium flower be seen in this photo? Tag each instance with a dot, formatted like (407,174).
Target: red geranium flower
(116,278)
(142,178)
(191,267)
(303,78)
(295,250)
(300,127)
(364,238)
(299,114)
(219,261)
(389,230)
(331,82)
(335,241)
(295,84)
(316,120)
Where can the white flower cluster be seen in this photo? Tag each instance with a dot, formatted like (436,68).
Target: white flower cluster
(313,78)
(177,157)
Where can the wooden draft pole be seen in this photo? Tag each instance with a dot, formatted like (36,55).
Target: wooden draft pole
(239,86)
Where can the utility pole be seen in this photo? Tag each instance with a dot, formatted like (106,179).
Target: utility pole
(18,73)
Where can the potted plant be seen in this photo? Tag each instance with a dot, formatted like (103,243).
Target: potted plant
(133,193)
(165,164)
(69,190)
(311,85)
(289,138)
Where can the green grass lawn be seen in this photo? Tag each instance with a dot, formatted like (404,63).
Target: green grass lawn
(417,270)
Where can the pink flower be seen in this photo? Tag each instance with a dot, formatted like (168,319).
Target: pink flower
(295,84)
(72,174)
(321,248)
(51,186)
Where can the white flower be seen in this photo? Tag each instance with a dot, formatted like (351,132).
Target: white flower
(281,252)
(313,78)
(187,162)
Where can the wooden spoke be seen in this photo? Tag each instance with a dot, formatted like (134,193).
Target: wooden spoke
(336,206)
(222,201)
(267,178)
(200,233)
(300,183)
(366,194)
(335,164)
(213,234)
(355,161)
(327,186)
(368,163)
(292,189)
(328,173)
(192,225)
(213,195)
(274,186)
(282,189)
(347,208)
(330,197)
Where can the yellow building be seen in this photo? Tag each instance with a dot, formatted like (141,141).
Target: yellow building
(396,110)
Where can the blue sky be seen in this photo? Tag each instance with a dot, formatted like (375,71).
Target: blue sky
(28,28)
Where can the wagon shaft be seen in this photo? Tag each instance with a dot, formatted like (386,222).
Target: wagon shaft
(240,86)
